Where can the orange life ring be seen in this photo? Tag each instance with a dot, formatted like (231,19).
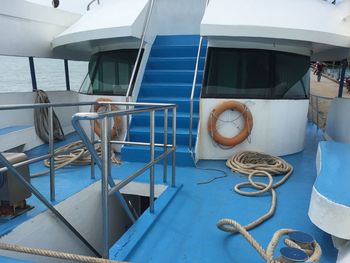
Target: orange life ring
(118,120)
(244,133)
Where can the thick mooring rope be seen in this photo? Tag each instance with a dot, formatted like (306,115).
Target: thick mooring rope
(314,252)
(41,120)
(54,254)
(74,153)
(259,164)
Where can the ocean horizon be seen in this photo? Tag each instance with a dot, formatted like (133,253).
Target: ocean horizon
(50,76)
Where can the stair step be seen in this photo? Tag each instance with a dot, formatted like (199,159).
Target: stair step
(182,120)
(142,154)
(176,51)
(168,90)
(187,63)
(183,104)
(168,78)
(142,134)
(171,76)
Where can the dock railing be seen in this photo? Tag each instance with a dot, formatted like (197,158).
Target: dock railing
(318,110)
(104,163)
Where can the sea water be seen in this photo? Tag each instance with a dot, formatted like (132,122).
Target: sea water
(15,74)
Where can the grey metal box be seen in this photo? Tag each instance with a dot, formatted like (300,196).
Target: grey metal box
(12,190)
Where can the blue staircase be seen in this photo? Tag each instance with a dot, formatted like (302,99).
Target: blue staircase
(168,79)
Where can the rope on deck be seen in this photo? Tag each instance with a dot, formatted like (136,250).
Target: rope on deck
(54,254)
(74,153)
(259,164)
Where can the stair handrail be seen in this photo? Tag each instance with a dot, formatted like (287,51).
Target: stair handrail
(105,162)
(194,87)
(133,74)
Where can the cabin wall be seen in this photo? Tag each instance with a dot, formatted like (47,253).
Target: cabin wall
(83,211)
(278,128)
(181,17)
(26,117)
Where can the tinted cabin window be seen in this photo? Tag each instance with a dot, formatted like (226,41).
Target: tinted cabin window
(110,72)
(255,74)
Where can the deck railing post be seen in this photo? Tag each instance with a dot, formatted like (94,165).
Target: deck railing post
(127,122)
(151,179)
(52,155)
(344,64)
(174,150)
(317,112)
(93,142)
(66,73)
(165,145)
(32,73)
(104,184)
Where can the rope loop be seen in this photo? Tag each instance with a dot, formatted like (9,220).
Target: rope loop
(260,164)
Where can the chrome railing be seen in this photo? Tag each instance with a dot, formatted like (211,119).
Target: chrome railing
(133,74)
(105,162)
(51,155)
(318,110)
(137,62)
(194,87)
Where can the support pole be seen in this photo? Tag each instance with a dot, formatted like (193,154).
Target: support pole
(104,185)
(66,72)
(52,156)
(151,180)
(173,168)
(32,73)
(344,64)
(165,145)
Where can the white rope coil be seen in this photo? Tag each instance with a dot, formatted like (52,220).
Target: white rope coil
(260,164)
(74,153)
(54,254)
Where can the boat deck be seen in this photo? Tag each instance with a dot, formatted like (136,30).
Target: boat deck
(185,231)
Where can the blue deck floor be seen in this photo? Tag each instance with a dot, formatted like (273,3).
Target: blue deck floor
(186,230)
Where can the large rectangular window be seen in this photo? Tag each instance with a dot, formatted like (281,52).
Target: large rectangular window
(255,74)
(15,74)
(110,72)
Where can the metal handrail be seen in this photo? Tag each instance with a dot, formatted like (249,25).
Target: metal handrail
(133,74)
(194,87)
(140,50)
(105,166)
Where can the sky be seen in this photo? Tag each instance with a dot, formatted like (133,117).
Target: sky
(76,6)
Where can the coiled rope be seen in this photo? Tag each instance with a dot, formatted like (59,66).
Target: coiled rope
(260,164)
(41,120)
(74,153)
(54,254)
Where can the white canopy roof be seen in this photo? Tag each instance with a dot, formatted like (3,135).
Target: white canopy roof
(323,25)
(117,19)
